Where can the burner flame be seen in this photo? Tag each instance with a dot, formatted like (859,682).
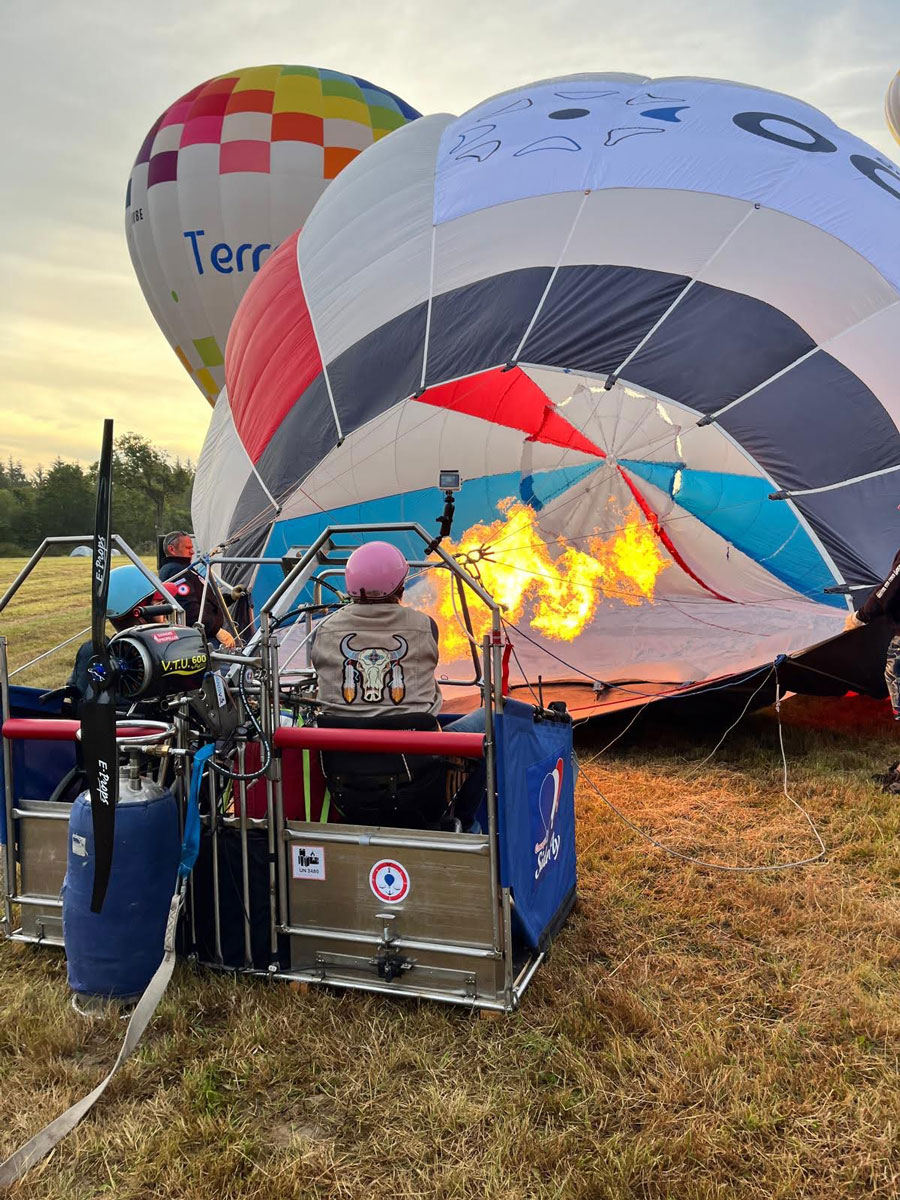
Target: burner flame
(549,581)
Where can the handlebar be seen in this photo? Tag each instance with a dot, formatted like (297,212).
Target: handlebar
(155,610)
(382,741)
(34,729)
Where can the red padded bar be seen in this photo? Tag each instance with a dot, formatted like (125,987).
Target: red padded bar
(383,741)
(34,729)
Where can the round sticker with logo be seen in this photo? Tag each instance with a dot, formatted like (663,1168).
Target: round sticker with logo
(389,881)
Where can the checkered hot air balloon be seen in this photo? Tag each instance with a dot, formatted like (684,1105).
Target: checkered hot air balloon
(892,107)
(225,174)
(604,299)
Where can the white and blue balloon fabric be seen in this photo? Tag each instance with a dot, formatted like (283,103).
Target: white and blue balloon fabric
(589,294)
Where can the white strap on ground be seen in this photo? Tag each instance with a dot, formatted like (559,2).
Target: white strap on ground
(42,1143)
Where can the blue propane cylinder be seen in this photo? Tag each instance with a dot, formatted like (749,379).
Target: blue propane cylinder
(116,951)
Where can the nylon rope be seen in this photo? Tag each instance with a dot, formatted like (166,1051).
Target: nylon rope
(553,274)
(428,313)
(728,867)
(42,1143)
(684,291)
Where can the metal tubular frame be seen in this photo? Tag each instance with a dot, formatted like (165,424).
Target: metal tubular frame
(323,558)
(245,859)
(73,540)
(270,712)
(214,848)
(10,881)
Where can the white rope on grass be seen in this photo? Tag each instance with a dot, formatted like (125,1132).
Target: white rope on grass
(696,767)
(642,708)
(732,869)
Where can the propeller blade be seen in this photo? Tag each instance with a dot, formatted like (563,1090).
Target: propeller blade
(98,738)
(98,709)
(100,565)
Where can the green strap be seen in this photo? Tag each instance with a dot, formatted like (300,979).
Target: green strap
(307,790)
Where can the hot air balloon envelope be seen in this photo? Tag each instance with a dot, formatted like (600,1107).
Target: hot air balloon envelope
(892,107)
(654,323)
(225,174)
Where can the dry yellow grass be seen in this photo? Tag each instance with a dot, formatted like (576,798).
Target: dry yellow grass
(694,1035)
(52,605)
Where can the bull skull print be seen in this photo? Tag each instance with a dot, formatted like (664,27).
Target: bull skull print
(373,669)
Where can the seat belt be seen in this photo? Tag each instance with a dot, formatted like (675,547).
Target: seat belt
(42,1143)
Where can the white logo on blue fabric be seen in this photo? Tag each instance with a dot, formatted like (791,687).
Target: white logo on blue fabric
(547,849)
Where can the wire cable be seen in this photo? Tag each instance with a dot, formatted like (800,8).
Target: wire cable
(240,776)
(641,709)
(733,868)
(681,689)
(696,767)
(727,867)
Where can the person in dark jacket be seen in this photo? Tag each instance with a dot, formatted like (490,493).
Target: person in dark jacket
(885,602)
(178,549)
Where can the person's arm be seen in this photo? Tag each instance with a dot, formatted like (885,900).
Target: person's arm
(214,618)
(884,598)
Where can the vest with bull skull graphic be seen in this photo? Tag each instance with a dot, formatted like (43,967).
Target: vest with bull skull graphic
(373,659)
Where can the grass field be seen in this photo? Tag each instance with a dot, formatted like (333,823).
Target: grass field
(695,1035)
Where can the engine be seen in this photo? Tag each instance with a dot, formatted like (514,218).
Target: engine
(153,661)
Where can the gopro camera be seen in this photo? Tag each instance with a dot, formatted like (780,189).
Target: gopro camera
(449,481)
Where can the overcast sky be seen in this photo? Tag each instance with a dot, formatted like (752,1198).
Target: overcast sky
(82,82)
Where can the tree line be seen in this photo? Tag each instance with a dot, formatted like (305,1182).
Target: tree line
(151,495)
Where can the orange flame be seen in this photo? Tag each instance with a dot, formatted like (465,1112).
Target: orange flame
(558,586)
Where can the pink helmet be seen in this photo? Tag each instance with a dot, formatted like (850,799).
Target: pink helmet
(375,571)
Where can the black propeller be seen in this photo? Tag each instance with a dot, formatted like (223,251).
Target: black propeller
(98,709)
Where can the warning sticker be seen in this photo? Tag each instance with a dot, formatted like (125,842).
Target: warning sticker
(307,862)
(389,880)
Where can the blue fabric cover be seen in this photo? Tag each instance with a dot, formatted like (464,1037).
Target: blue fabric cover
(536,812)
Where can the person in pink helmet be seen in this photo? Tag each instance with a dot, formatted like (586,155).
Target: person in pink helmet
(376,655)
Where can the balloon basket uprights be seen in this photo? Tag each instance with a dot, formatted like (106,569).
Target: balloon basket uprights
(282,887)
